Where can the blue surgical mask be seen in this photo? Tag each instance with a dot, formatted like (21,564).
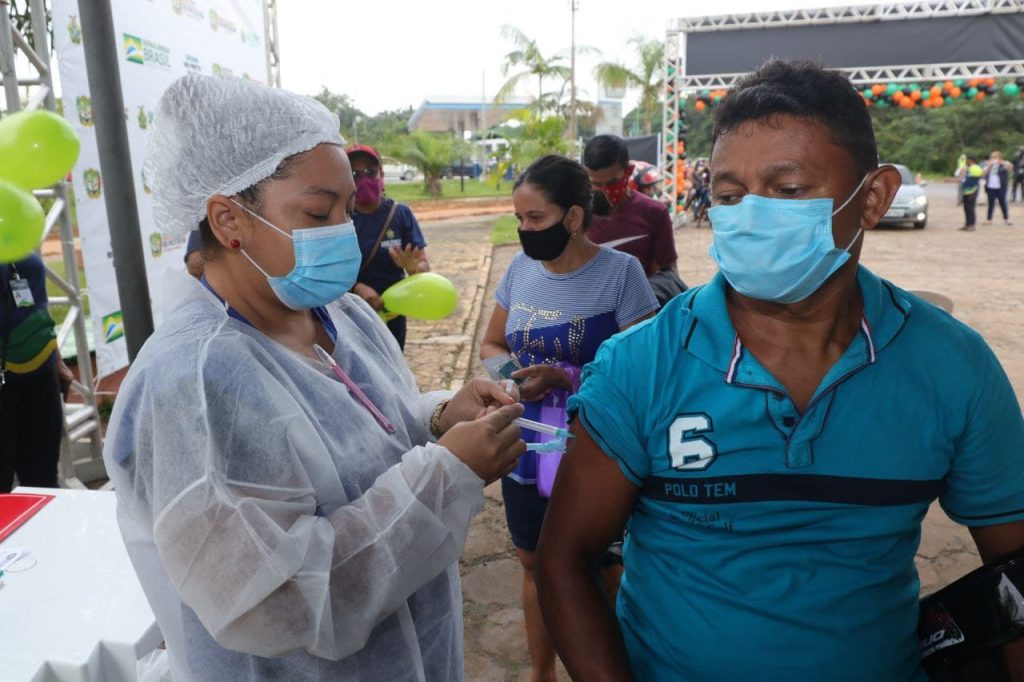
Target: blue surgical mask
(779,250)
(327,262)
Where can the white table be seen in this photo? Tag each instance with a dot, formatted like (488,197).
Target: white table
(79,614)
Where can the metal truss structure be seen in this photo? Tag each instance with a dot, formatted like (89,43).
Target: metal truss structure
(273,51)
(679,84)
(82,421)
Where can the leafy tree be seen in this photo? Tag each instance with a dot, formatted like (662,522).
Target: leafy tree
(536,138)
(431,153)
(533,64)
(647,76)
(382,129)
(344,107)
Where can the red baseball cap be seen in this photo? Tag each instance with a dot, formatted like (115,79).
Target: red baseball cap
(362,149)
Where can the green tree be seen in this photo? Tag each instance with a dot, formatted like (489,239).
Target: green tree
(532,64)
(380,130)
(647,77)
(344,107)
(431,153)
(536,138)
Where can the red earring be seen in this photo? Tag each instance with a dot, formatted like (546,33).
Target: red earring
(235,243)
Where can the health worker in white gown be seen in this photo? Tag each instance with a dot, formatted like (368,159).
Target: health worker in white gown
(289,518)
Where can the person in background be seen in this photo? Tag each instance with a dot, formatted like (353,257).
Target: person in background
(559,300)
(970,180)
(194,254)
(997,182)
(630,221)
(754,435)
(389,236)
(1018,174)
(31,378)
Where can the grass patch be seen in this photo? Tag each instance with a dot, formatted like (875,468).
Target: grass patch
(505,230)
(413,191)
(59,312)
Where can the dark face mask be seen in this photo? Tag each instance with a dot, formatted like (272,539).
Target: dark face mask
(601,204)
(546,244)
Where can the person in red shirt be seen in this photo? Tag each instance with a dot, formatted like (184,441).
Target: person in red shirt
(624,219)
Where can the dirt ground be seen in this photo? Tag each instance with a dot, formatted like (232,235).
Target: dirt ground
(979,271)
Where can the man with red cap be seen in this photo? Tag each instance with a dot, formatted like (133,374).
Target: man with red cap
(389,236)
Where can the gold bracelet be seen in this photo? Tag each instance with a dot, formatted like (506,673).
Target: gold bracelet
(435,419)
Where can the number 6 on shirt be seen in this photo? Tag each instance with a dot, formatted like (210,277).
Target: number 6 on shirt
(690,452)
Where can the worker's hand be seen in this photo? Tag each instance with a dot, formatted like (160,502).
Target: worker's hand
(490,446)
(409,258)
(479,397)
(368,294)
(539,380)
(66,377)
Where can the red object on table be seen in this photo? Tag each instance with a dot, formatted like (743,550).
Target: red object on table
(17,508)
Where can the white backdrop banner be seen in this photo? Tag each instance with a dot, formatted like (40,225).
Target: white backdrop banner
(158,41)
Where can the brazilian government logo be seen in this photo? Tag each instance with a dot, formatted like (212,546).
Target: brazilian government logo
(113,327)
(93,183)
(83,105)
(74,30)
(133,49)
(156,244)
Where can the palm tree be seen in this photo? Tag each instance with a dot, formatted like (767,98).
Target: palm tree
(534,64)
(431,153)
(648,77)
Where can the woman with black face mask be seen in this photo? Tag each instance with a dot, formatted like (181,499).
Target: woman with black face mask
(559,300)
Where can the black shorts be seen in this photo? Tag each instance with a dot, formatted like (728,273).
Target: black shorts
(524,513)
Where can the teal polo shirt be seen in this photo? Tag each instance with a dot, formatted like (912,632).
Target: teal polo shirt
(771,545)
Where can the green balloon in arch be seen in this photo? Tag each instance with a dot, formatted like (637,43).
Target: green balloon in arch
(914,87)
(881,104)
(21,222)
(37,148)
(1011,89)
(868,94)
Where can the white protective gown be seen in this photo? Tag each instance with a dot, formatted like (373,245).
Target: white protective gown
(278,531)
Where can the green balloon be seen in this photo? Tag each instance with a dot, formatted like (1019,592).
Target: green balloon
(959,82)
(891,89)
(1011,89)
(868,94)
(37,148)
(972,93)
(914,86)
(21,223)
(881,104)
(425,296)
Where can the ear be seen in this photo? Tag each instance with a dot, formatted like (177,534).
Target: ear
(882,184)
(226,219)
(574,220)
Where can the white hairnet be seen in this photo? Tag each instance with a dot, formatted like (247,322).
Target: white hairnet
(216,135)
(278,531)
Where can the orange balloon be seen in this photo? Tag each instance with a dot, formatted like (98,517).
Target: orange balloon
(936,91)
(878,89)
(907,103)
(973,83)
(990,82)
(927,104)
(699,106)
(948,85)
(898,96)
(915,95)
(938,102)
(869,102)
(980,96)
(956,92)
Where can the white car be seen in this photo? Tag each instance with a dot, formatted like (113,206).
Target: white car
(396,170)
(910,204)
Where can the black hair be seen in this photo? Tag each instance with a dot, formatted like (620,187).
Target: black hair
(807,90)
(971,158)
(605,151)
(251,197)
(562,181)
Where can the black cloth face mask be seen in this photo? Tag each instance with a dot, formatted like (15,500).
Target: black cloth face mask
(546,244)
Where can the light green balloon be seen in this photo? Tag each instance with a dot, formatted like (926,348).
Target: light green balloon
(425,296)
(21,223)
(37,148)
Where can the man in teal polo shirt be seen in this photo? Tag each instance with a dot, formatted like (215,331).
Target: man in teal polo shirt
(772,440)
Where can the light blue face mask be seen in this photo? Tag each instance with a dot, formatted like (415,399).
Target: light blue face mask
(779,250)
(327,262)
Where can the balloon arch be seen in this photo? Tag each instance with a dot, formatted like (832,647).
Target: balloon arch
(963,50)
